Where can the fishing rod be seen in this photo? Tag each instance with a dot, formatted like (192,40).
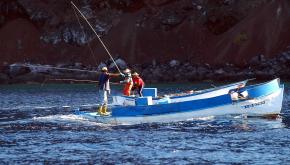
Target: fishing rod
(83,31)
(96,35)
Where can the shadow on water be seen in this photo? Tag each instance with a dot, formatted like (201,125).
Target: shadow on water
(286,107)
(210,125)
(286,120)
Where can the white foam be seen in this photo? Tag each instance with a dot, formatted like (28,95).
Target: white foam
(201,118)
(68,118)
(66,106)
(89,105)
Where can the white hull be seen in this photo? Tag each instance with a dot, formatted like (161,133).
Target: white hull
(270,104)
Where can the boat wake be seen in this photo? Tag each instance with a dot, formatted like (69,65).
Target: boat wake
(68,119)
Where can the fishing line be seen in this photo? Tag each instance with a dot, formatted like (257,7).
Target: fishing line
(59,68)
(96,35)
(43,83)
(82,27)
(90,81)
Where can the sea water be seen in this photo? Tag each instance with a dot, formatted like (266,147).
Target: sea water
(37,126)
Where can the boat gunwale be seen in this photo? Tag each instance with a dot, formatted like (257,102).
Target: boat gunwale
(194,94)
(243,89)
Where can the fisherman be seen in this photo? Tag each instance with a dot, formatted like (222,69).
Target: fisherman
(104,88)
(138,83)
(128,82)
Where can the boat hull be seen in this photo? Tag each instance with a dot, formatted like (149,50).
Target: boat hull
(259,106)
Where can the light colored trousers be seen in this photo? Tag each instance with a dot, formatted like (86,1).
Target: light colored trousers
(104,96)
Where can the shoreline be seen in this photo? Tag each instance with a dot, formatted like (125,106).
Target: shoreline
(175,71)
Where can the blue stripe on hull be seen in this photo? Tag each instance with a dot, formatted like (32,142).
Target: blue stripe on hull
(263,89)
(170,108)
(253,91)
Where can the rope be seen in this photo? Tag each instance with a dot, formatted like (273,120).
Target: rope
(90,48)
(96,35)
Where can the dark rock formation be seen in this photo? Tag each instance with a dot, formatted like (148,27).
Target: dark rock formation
(18,69)
(196,31)
(163,40)
(3,78)
(259,67)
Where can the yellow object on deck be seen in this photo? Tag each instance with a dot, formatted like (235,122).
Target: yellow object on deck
(103,110)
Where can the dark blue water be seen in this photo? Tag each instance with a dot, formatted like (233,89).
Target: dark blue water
(37,127)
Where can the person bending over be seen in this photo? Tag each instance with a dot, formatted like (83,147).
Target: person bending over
(138,83)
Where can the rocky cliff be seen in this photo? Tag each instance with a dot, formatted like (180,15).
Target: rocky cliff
(142,31)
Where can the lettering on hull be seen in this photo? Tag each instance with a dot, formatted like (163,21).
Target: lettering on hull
(254,104)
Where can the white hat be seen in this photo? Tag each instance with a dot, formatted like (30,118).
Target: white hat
(104,68)
(127,70)
(135,74)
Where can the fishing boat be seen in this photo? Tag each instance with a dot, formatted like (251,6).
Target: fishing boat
(180,97)
(259,99)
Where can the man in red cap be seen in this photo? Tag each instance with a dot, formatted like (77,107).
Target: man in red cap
(138,83)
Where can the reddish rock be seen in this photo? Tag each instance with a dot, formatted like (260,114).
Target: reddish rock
(144,31)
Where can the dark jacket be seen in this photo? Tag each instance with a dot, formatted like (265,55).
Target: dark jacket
(104,83)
